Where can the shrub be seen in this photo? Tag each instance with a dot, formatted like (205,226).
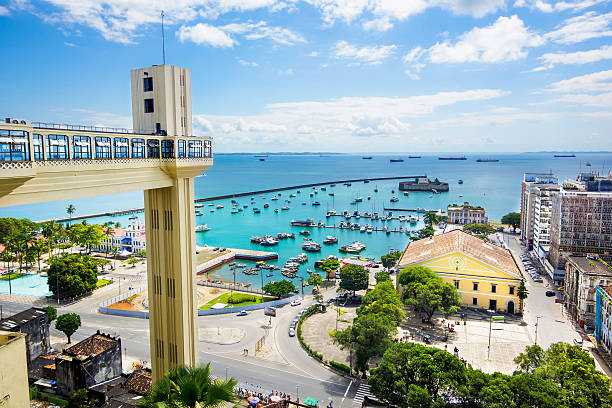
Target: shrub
(240,298)
(339,366)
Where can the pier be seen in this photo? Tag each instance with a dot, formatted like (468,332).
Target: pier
(230,254)
(248,193)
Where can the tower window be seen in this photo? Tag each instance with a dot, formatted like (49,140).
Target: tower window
(148,105)
(148,84)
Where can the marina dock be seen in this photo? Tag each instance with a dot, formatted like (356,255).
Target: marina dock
(248,193)
(231,254)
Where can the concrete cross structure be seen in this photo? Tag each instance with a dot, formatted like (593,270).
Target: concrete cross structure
(47,162)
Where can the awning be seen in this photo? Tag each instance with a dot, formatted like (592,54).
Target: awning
(312,402)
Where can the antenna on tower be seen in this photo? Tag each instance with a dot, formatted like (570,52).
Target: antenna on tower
(163,39)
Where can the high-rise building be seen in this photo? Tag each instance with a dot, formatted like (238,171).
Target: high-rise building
(534,186)
(581,219)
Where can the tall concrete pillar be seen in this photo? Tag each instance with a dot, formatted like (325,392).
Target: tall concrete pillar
(170,226)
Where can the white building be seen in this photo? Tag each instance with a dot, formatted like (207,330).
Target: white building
(131,239)
(534,186)
(466,214)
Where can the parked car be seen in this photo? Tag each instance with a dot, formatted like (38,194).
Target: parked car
(550,293)
(296,302)
(578,342)
(291,332)
(242,313)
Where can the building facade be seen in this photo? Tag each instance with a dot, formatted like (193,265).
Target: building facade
(131,239)
(582,275)
(603,316)
(34,323)
(485,275)
(581,219)
(533,187)
(14,392)
(466,214)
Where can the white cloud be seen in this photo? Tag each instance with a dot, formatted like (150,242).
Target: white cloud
(548,7)
(599,100)
(595,82)
(220,36)
(575,58)
(204,34)
(379,13)
(69,44)
(288,71)
(378,24)
(4,11)
(581,28)
(314,54)
(374,54)
(203,124)
(507,39)
(248,63)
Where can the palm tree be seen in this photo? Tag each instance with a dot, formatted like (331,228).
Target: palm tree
(70,210)
(48,231)
(108,232)
(522,294)
(190,387)
(38,247)
(114,251)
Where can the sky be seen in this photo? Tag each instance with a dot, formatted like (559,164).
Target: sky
(327,75)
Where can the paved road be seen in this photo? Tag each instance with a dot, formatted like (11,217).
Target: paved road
(553,326)
(292,371)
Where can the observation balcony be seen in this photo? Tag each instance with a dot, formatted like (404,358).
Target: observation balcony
(41,161)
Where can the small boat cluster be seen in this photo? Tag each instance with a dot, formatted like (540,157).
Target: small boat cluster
(293,264)
(269,240)
(311,246)
(255,269)
(203,227)
(353,248)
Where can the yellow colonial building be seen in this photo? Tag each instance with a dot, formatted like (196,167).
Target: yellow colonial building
(486,276)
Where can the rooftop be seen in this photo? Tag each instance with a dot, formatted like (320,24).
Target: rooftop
(9,337)
(12,323)
(92,346)
(140,382)
(590,265)
(457,240)
(607,289)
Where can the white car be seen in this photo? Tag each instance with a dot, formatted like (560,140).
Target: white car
(296,302)
(242,313)
(291,332)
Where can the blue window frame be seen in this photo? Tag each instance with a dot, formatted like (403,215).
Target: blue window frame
(153,149)
(207,149)
(195,148)
(138,148)
(121,148)
(103,147)
(57,147)
(14,145)
(81,147)
(181,149)
(167,149)
(37,143)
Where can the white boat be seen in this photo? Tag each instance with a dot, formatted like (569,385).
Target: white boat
(394,199)
(362,229)
(274,198)
(219,206)
(203,227)
(370,230)
(198,205)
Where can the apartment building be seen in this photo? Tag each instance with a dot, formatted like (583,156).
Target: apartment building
(535,193)
(581,219)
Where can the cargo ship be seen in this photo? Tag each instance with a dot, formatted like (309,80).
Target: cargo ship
(452,158)
(487,160)
(564,155)
(398,160)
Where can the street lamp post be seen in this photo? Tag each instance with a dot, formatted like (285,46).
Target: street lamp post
(536,327)
(302,280)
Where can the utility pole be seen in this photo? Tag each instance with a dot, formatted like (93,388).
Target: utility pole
(302,280)
(536,327)
(490,328)
(163,39)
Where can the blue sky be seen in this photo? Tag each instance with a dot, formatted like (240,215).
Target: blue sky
(327,75)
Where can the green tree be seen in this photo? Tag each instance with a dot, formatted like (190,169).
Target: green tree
(108,233)
(512,219)
(424,233)
(427,293)
(49,231)
(330,265)
(479,229)
(430,218)
(72,275)
(132,261)
(314,279)
(522,294)
(415,376)
(80,399)
(389,260)
(51,313)
(93,235)
(381,276)
(573,370)
(353,278)
(190,387)
(38,247)
(279,289)
(70,210)
(68,324)
(142,253)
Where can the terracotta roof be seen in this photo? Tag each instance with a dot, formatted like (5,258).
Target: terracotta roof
(607,289)
(457,240)
(140,381)
(93,345)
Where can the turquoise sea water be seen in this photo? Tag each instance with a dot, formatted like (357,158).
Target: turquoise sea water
(495,186)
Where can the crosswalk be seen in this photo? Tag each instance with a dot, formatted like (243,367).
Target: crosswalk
(362,391)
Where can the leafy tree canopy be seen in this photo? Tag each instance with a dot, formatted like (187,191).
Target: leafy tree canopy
(314,279)
(479,229)
(389,260)
(68,323)
(353,278)
(512,219)
(279,289)
(74,274)
(51,313)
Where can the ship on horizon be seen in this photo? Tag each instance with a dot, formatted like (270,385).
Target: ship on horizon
(398,160)
(487,160)
(565,155)
(414,157)
(452,158)
(366,157)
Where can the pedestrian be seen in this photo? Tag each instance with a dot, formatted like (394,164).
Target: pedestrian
(330,404)
(456,351)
